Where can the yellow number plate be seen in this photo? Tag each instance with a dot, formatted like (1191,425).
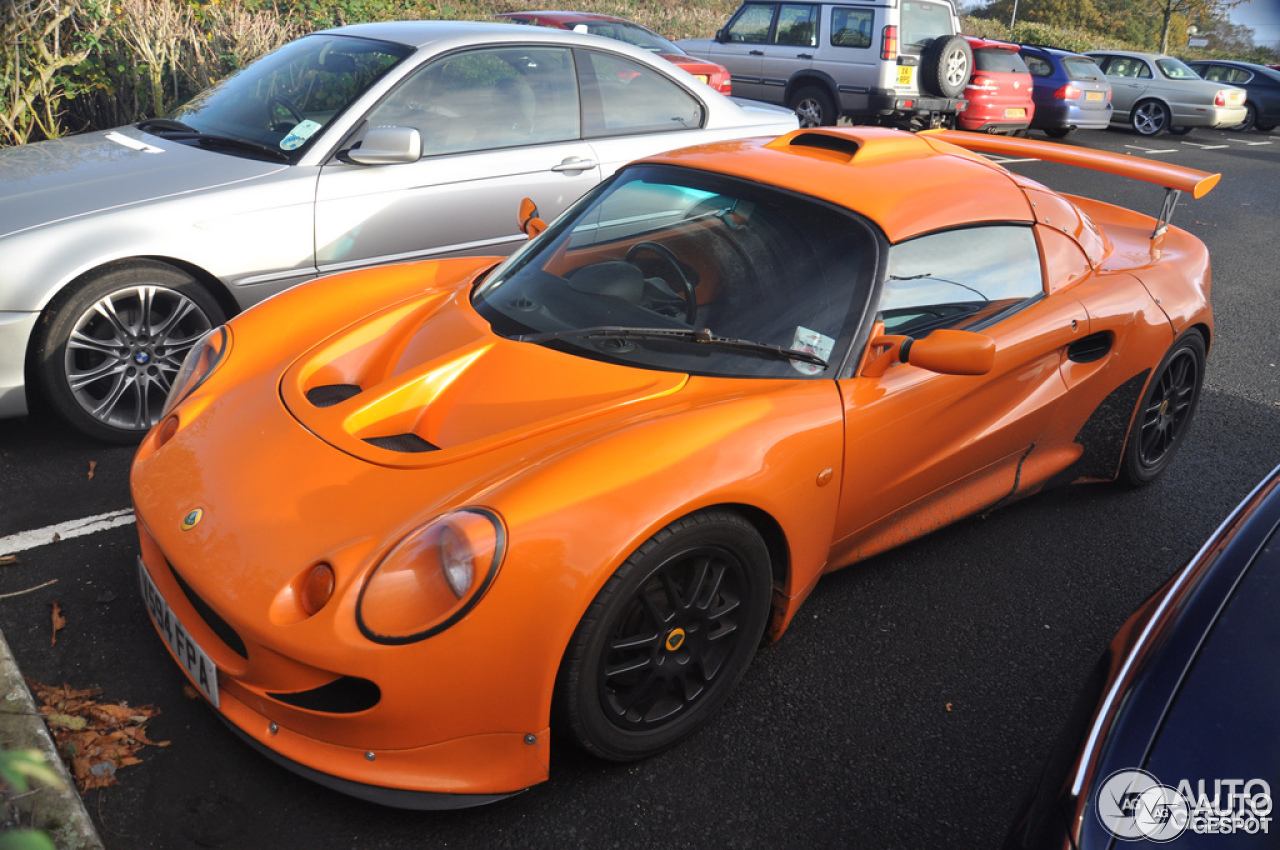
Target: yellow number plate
(1015,113)
(1093,95)
(904,75)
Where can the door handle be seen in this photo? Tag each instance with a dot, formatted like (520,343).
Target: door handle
(575,163)
(804,55)
(755,52)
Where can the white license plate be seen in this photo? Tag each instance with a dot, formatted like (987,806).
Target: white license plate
(194,660)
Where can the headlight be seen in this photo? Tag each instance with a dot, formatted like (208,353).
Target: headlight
(431,578)
(200,363)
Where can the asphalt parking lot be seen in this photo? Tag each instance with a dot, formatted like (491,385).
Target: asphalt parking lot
(909,705)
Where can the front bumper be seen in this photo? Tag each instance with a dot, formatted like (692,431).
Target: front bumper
(15,336)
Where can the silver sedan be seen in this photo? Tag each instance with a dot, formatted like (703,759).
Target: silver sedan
(344,149)
(1154,94)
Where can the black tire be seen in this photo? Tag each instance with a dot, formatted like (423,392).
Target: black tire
(1149,118)
(1180,131)
(946,63)
(1059,132)
(1264,128)
(103,365)
(667,637)
(1250,119)
(814,107)
(1165,414)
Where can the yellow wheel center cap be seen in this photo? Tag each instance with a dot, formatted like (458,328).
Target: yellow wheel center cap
(675,640)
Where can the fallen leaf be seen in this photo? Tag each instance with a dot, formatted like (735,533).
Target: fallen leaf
(66,721)
(7,560)
(948,706)
(190,692)
(56,537)
(59,622)
(93,464)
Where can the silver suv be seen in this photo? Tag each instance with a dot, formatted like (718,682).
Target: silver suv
(895,62)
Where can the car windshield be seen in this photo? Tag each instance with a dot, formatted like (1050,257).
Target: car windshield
(1175,69)
(995,60)
(629,33)
(685,271)
(277,104)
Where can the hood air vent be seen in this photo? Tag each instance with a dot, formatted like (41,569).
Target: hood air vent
(330,394)
(405,443)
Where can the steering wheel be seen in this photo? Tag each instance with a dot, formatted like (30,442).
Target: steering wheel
(285,104)
(662,251)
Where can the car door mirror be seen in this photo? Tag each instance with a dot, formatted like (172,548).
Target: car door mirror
(721,36)
(387,146)
(529,221)
(945,351)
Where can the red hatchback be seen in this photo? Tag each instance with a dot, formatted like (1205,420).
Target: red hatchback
(711,73)
(999,92)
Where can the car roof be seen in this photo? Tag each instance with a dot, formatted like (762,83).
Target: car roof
(555,15)
(1136,53)
(891,177)
(1053,51)
(419,34)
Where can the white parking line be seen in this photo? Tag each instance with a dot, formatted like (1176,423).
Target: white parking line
(24,540)
(1152,150)
(1247,142)
(1004,160)
(1206,147)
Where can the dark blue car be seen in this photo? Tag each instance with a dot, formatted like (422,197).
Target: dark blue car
(1070,91)
(1260,82)
(1175,735)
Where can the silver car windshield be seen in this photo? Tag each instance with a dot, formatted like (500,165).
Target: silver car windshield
(279,103)
(1174,69)
(686,271)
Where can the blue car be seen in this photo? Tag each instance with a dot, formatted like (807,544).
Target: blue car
(1070,91)
(1262,85)
(1174,735)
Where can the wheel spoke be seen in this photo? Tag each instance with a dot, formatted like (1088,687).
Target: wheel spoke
(107,347)
(119,388)
(162,333)
(79,380)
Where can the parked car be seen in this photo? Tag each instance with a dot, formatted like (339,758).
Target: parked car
(1154,93)
(711,73)
(344,149)
(1070,91)
(999,92)
(1261,85)
(881,62)
(1171,736)
(577,487)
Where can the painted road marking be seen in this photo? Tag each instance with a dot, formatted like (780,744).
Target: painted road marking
(1152,150)
(1206,147)
(25,540)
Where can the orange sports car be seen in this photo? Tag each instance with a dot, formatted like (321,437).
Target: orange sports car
(399,524)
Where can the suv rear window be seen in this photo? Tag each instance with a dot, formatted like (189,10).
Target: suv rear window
(999,61)
(922,22)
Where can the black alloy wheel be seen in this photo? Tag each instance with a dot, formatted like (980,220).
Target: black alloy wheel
(667,637)
(1166,411)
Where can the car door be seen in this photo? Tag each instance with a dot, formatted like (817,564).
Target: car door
(740,47)
(498,124)
(791,48)
(921,448)
(1130,77)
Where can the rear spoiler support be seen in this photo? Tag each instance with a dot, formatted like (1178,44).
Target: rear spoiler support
(1174,178)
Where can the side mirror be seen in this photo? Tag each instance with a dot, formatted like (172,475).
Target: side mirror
(721,36)
(947,352)
(387,146)
(529,221)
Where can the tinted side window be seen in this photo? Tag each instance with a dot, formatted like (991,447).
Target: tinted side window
(1037,66)
(484,99)
(752,24)
(963,278)
(797,25)
(631,98)
(851,27)
(1079,69)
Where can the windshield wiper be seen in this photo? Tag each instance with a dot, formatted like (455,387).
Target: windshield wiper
(699,337)
(179,132)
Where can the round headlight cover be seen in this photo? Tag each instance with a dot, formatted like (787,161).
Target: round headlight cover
(201,361)
(431,578)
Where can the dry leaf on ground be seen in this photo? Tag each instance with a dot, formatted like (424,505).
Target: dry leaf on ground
(94,738)
(59,623)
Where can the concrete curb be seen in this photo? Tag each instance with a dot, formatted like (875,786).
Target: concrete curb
(58,811)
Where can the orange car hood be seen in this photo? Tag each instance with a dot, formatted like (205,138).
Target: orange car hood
(429,374)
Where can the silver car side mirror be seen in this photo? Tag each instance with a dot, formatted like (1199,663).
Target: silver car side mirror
(387,145)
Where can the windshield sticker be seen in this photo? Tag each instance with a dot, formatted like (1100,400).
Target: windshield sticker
(299,135)
(811,342)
